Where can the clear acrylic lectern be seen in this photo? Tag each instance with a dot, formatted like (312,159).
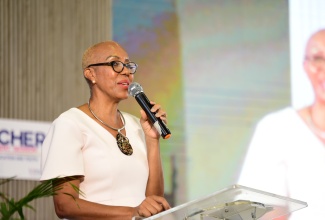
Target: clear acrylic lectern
(234,203)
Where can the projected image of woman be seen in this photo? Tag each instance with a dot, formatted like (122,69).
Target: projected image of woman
(287,152)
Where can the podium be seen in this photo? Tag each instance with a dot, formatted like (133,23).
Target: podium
(233,203)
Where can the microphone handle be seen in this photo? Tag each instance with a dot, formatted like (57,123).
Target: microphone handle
(161,127)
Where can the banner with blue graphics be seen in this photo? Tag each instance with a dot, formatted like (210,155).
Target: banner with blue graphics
(20,148)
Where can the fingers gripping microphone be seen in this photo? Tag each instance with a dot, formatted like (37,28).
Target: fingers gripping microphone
(136,91)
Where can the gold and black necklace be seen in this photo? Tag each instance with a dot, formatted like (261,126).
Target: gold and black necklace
(121,140)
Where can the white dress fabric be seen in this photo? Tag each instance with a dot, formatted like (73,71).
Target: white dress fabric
(78,145)
(287,159)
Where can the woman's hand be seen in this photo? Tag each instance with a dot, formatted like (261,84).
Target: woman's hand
(147,126)
(152,205)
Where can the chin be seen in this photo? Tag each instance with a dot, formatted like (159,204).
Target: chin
(124,97)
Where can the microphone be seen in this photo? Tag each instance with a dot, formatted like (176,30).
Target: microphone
(136,91)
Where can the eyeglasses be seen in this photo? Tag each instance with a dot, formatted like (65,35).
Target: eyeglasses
(118,66)
(317,61)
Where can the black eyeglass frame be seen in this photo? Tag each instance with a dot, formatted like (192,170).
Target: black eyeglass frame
(127,65)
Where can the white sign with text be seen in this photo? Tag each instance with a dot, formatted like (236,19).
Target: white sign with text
(20,148)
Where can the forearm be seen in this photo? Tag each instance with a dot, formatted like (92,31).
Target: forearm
(80,209)
(155,184)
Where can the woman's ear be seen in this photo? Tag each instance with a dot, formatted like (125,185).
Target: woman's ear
(90,75)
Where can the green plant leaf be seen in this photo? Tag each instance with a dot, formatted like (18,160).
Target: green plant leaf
(44,189)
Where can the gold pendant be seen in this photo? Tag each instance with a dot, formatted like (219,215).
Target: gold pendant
(124,144)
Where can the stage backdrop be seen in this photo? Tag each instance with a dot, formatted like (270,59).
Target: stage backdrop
(150,33)
(217,67)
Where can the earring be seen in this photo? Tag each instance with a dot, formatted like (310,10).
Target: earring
(93,81)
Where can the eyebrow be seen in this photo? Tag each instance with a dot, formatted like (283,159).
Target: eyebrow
(117,57)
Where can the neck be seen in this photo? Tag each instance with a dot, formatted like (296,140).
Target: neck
(104,99)
(106,111)
(317,116)
(315,120)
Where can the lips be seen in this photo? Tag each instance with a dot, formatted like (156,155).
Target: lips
(125,84)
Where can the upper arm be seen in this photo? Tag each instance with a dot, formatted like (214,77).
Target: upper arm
(67,193)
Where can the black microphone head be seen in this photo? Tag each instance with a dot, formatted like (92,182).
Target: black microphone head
(134,89)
